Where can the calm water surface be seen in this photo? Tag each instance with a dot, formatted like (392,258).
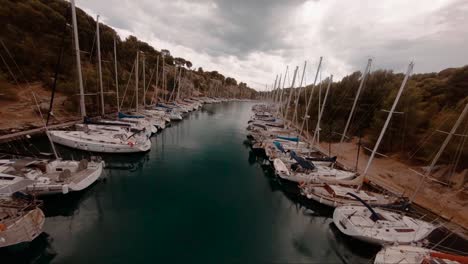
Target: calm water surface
(199,196)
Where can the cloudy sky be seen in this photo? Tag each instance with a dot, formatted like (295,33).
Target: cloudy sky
(253,40)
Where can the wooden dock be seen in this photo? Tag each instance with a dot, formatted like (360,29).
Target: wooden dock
(20,134)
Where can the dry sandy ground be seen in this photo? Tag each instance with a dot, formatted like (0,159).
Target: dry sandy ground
(23,114)
(397,176)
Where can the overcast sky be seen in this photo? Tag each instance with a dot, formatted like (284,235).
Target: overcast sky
(253,40)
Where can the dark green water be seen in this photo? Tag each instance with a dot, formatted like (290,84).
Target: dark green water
(199,196)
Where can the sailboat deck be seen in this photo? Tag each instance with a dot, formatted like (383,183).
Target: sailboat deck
(79,176)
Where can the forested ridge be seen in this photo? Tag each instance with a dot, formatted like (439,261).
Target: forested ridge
(36,32)
(430,105)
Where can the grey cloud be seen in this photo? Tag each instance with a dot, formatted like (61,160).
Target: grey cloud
(256,38)
(437,41)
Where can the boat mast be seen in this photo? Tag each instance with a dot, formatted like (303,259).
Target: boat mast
(317,127)
(310,98)
(78,60)
(389,117)
(299,94)
(272,94)
(116,76)
(99,64)
(155,96)
(136,81)
(163,79)
(367,70)
(178,85)
(144,81)
(441,150)
(278,90)
(282,91)
(291,91)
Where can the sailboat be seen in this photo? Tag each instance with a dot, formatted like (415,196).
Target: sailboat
(95,139)
(379,226)
(304,171)
(335,194)
(407,254)
(21,219)
(56,176)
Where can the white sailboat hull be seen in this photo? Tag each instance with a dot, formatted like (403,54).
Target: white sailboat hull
(66,139)
(336,195)
(391,227)
(322,173)
(25,229)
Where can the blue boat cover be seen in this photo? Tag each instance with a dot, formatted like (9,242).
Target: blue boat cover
(161,105)
(295,139)
(279,146)
(122,115)
(302,162)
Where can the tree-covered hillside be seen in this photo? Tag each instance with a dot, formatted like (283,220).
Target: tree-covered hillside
(430,104)
(36,32)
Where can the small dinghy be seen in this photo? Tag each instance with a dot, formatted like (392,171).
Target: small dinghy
(378,226)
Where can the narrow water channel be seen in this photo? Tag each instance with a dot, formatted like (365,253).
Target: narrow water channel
(199,196)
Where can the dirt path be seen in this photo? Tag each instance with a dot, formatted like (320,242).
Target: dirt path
(22,114)
(396,176)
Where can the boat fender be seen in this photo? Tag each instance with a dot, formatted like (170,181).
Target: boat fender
(64,189)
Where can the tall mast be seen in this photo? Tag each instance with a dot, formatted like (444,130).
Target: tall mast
(157,81)
(178,84)
(317,127)
(441,150)
(272,93)
(363,79)
(144,81)
(116,76)
(282,91)
(136,80)
(299,94)
(310,97)
(389,117)
(78,60)
(163,78)
(291,91)
(99,64)
(278,89)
